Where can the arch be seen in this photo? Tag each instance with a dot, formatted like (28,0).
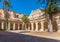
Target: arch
(0,26)
(11,26)
(30,26)
(55,27)
(45,25)
(39,26)
(20,27)
(34,25)
(4,26)
(16,26)
(27,26)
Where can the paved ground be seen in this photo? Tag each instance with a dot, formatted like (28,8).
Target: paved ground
(51,35)
(15,37)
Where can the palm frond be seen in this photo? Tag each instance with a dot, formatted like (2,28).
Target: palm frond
(7,3)
(25,18)
(40,1)
(0,0)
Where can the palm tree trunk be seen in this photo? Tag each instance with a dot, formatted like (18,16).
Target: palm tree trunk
(3,4)
(50,28)
(5,14)
(25,26)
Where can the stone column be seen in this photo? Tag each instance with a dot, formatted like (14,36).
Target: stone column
(22,26)
(58,25)
(42,26)
(25,27)
(14,26)
(36,26)
(29,27)
(9,26)
(18,26)
(32,26)
(58,28)
(2,25)
(50,28)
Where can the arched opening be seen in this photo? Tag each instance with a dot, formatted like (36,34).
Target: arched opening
(39,26)
(30,26)
(4,26)
(11,26)
(27,26)
(54,23)
(0,26)
(20,27)
(16,26)
(34,25)
(46,26)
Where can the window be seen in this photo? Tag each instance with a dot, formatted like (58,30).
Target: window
(0,14)
(59,18)
(16,16)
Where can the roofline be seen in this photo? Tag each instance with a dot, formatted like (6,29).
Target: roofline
(12,11)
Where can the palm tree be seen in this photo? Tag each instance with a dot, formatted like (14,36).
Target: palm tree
(51,8)
(25,20)
(6,5)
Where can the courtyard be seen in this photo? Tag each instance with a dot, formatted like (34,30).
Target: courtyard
(26,21)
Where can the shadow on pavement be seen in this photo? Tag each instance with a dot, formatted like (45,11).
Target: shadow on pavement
(17,37)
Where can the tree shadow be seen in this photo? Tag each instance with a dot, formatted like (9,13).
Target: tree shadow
(6,36)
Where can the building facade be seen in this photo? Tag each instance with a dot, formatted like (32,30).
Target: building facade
(38,21)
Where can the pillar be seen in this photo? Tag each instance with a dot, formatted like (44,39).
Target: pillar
(50,28)
(58,28)
(36,26)
(2,25)
(42,26)
(13,26)
(18,26)
(9,26)
(58,25)
(23,26)
(32,26)
(29,27)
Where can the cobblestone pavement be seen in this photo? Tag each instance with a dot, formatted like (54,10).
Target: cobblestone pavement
(15,37)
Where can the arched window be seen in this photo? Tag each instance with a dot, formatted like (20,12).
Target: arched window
(6,14)
(15,15)
(0,14)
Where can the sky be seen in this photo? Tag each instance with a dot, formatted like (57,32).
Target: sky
(24,6)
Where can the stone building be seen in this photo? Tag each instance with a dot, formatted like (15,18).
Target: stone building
(14,20)
(38,21)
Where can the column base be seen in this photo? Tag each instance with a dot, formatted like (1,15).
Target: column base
(58,31)
(36,30)
(46,30)
(41,30)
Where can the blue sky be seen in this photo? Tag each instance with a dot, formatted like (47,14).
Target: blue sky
(24,6)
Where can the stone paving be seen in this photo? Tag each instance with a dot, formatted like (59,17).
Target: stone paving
(6,36)
(52,35)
